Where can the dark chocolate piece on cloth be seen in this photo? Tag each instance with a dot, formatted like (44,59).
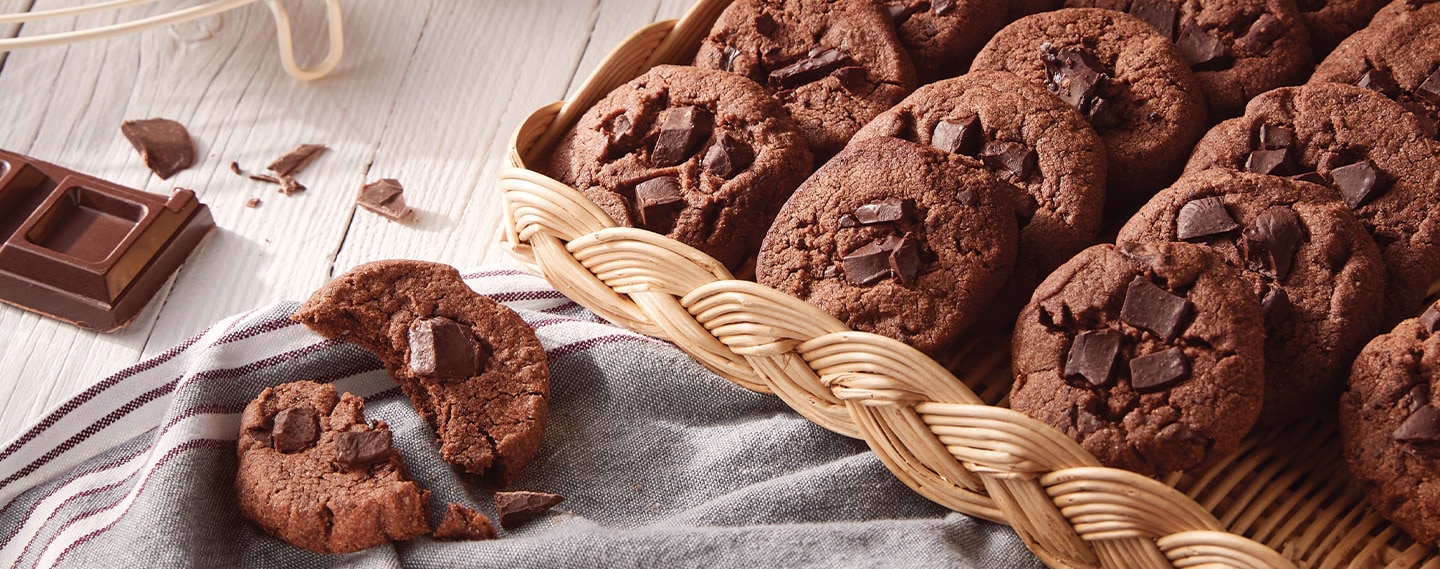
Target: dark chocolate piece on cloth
(1150,307)
(1431,319)
(871,264)
(890,209)
(355,449)
(296,160)
(1159,371)
(1422,426)
(1270,242)
(385,197)
(728,156)
(516,508)
(296,428)
(1203,218)
(816,64)
(1092,356)
(1379,80)
(681,133)
(962,136)
(439,347)
(659,201)
(1160,14)
(1019,160)
(1358,182)
(1200,48)
(462,523)
(164,145)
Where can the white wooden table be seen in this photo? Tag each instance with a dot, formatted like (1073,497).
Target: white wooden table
(428,92)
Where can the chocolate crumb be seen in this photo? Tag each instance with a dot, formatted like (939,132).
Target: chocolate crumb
(289,186)
(235,167)
(252,203)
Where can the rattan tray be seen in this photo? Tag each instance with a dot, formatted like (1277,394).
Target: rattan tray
(1282,500)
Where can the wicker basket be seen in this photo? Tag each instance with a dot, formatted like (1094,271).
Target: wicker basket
(1282,500)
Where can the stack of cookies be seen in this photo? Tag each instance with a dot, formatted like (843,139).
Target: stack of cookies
(1192,214)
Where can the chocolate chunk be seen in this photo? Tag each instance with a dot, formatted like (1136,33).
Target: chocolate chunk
(1203,218)
(1357,182)
(296,428)
(727,157)
(1270,242)
(354,449)
(1381,81)
(265,178)
(830,272)
(847,220)
(901,11)
(252,203)
(296,160)
(235,167)
(1276,307)
(1200,48)
(385,197)
(1149,307)
(852,78)
(621,137)
(164,145)
(1277,162)
(870,264)
(1430,89)
(1019,160)
(765,24)
(942,7)
(1074,75)
(289,186)
(819,63)
(681,134)
(516,508)
(727,58)
(961,136)
(1159,371)
(1092,356)
(1160,14)
(905,260)
(1423,426)
(1263,30)
(966,197)
(462,523)
(1275,137)
(1431,319)
(1311,177)
(890,209)
(439,347)
(659,202)
(1419,396)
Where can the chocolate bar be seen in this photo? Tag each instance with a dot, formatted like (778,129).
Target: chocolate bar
(87,251)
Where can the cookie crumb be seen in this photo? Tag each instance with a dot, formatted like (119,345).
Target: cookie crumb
(462,523)
(516,508)
(253,203)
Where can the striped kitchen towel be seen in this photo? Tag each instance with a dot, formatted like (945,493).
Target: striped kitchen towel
(663,463)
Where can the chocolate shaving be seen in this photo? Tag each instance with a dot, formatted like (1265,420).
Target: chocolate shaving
(1423,426)
(727,157)
(816,65)
(1160,14)
(442,348)
(296,160)
(1201,48)
(1203,218)
(961,136)
(385,197)
(1092,356)
(659,202)
(1148,306)
(295,429)
(683,131)
(1381,81)
(1159,371)
(1019,160)
(516,508)
(1431,319)
(354,449)
(1270,241)
(265,178)
(890,209)
(164,145)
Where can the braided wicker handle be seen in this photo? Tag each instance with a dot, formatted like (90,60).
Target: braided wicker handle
(924,424)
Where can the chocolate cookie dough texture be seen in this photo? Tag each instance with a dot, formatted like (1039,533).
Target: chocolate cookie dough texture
(1148,355)
(701,156)
(1314,268)
(897,239)
(1390,425)
(1124,77)
(1331,21)
(472,367)
(1398,56)
(942,36)
(1237,48)
(314,474)
(1028,139)
(834,64)
(1369,150)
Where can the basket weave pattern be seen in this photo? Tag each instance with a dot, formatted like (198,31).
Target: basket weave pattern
(1282,500)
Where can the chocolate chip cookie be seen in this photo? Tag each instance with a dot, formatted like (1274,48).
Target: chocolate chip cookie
(701,156)
(1027,138)
(472,367)
(895,238)
(1149,355)
(1331,21)
(315,475)
(1398,55)
(1237,48)
(1391,427)
(1315,269)
(834,64)
(942,36)
(1369,149)
(1124,77)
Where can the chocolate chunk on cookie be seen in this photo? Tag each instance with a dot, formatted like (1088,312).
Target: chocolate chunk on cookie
(1331,21)
(921,273)
(942,36)
(1315,269)
(1124,77)
(1391,427)
(1237,48)
(1058,161)
(834,64)
(702,156)
(1148,355)
(1368,149)
(298,479)
(472,367)
(1397,55)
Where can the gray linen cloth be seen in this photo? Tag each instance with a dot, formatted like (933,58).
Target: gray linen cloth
(663,464)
